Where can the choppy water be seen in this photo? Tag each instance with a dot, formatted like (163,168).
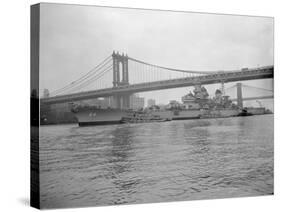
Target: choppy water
(155,162)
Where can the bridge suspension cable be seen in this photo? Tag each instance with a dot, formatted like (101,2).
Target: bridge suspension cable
(181,70)
(92,79)
(89,74)
(143,72)
(231,87)
(248,86)
(170,69)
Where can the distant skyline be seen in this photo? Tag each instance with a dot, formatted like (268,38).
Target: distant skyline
(76,38)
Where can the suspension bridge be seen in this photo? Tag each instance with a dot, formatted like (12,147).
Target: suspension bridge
(237,91)
(120,76)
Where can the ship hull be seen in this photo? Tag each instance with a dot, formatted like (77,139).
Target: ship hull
(256,110)
(96,116)
(93,123)
(99,116)
(219,113)
(114,116)
(186,114)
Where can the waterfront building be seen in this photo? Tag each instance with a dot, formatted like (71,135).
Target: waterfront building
(151,102)
(136,102)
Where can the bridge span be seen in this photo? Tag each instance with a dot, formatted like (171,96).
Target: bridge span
(126,89)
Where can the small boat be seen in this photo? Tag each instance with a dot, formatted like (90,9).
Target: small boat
(244,112)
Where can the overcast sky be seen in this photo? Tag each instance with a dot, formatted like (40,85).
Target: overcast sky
(76,38)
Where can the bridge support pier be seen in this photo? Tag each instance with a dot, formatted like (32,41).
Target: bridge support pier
(125,101)
(239,95)
(116,102)
(121,101)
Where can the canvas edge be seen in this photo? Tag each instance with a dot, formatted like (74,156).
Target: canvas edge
(34,106)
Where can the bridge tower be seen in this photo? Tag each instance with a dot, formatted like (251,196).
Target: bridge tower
(120,77)
(118,71)
(239,95)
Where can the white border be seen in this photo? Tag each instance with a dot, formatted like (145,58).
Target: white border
(14,106)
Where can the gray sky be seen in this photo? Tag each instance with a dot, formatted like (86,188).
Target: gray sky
(76,38)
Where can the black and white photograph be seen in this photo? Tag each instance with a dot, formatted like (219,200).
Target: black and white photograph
(133,106)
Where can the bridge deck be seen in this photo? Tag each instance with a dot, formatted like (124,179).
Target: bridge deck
(249,74)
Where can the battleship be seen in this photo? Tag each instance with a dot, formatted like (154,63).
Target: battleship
(195,105)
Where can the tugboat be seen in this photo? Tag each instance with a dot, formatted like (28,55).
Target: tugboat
(142,117)
(244,112)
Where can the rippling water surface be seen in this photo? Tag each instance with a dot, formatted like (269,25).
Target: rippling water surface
(155,162)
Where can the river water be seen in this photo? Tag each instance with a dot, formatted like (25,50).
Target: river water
(156,162)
